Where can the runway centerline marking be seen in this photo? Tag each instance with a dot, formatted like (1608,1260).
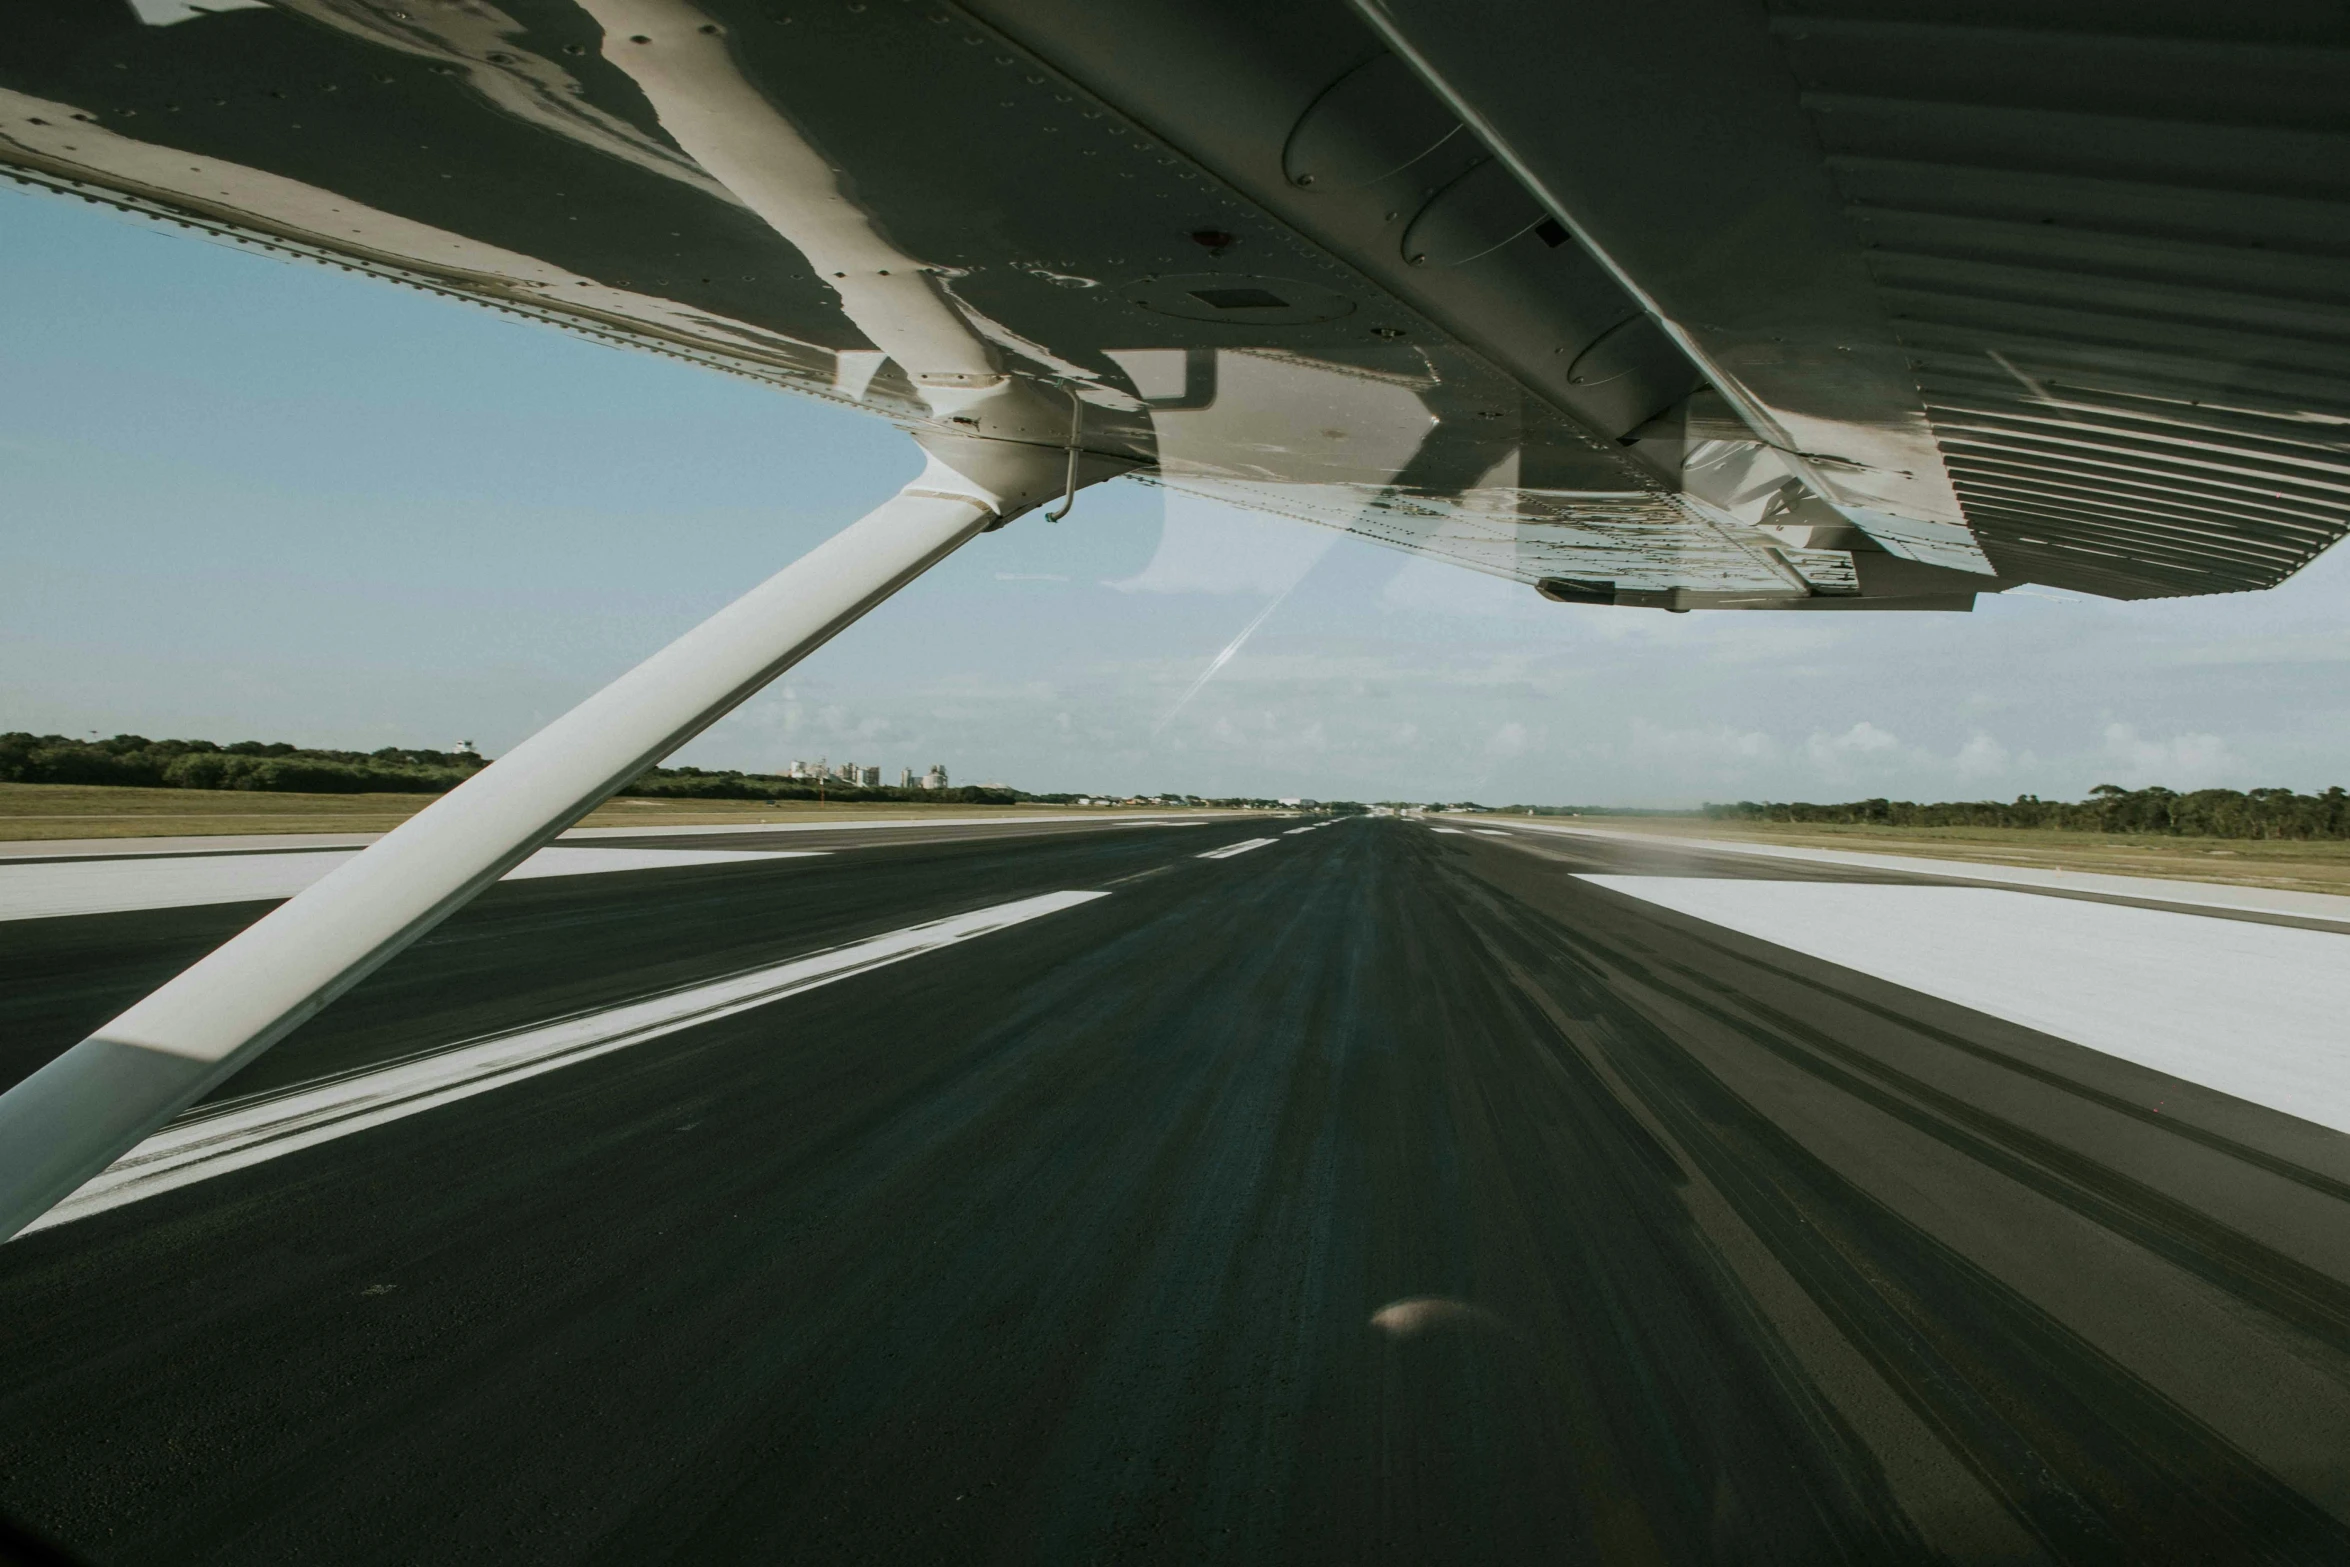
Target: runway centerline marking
(1231,849)
(234,1136)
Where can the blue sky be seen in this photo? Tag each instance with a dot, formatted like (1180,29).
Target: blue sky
(247,497)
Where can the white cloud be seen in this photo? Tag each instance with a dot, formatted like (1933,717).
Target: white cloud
(2314,647)
(1207,547)
(1982,757)
(1682,747)
(2184,761)
(1861,739)
(1438,587)
(1862,749)
(1506,741)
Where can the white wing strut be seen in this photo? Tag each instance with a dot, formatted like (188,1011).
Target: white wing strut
(74,1116)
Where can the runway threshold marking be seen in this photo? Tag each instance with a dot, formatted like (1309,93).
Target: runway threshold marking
(1457,832)
(247,1132)
(1231,849)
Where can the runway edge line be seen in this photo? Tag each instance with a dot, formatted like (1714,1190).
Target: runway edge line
(217,1139)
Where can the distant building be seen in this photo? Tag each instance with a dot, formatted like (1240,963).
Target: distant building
(867,777)
(906,779)
(936,778)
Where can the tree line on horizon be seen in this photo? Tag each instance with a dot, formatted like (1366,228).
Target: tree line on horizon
(2197,813)
(134,761)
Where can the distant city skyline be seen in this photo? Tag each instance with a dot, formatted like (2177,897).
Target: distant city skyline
(249,497)
(865,777)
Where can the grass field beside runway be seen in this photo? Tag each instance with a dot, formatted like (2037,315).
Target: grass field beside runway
(47,811)
(2246,862)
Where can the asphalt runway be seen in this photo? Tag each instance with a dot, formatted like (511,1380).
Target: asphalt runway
(1370,1195)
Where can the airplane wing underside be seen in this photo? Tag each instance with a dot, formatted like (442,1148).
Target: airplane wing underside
(1857,304)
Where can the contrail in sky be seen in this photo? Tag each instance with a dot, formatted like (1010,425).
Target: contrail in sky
(1223,658)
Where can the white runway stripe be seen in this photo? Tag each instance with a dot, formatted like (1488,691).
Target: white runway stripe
(1231,849)
(229,1137)
(2252,1010)
(61,887)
